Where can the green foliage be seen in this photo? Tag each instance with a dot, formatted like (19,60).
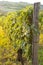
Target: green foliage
(41,21)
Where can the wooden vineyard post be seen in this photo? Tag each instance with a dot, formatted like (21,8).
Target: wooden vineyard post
(35,38)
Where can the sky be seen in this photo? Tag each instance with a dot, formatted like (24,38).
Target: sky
(29,1)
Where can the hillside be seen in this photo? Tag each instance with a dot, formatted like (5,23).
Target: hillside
(6,6)
(11,6)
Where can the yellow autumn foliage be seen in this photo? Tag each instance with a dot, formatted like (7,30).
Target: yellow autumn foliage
(1,32)
(7,50)
(41,39)
(3,38)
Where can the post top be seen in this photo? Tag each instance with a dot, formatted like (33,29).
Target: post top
(37,3)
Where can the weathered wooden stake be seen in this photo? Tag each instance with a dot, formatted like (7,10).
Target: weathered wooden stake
(35,36)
